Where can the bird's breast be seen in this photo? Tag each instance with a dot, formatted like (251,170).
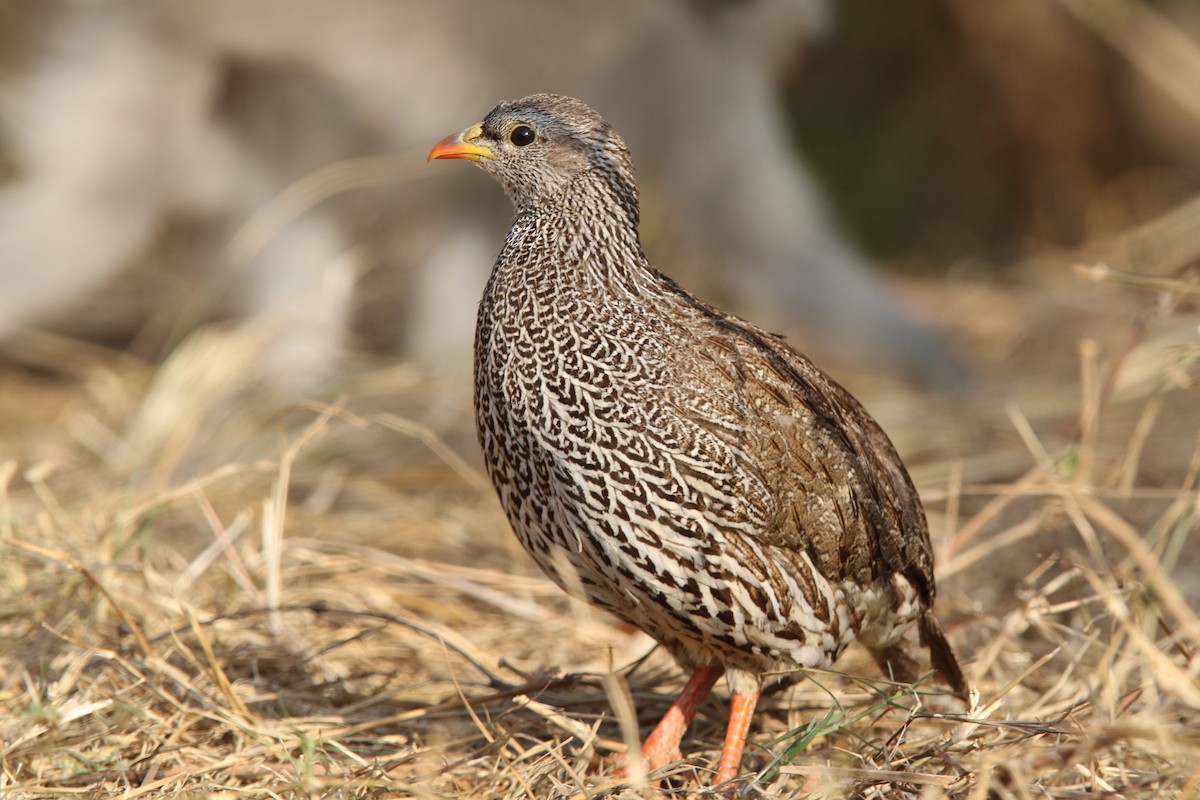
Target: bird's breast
(591,448)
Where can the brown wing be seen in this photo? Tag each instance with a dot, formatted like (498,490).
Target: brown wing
(882,527)
(842,493)
(840,490)
(858,514)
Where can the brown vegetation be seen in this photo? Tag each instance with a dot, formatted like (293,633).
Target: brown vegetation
(333,605)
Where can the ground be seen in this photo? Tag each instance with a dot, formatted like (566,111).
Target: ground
(326,601)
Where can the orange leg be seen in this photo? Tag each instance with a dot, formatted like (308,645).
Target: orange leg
(741,711)
(662,745)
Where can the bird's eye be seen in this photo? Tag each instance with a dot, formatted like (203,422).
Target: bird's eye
(522,135)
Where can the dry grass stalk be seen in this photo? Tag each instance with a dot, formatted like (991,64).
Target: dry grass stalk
(381,637)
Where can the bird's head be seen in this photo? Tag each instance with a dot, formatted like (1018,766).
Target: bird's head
(548,149)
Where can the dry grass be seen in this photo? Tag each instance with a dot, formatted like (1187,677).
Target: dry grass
(328,602)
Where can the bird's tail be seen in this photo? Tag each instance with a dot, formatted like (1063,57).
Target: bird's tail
(941,654)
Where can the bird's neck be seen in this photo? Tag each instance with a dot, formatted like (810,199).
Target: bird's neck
(577,239)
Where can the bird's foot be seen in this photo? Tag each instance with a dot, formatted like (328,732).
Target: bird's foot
(619,765)
(663,769)
(725,790)
(659,754)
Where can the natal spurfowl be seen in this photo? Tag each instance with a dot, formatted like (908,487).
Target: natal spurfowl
(701,479)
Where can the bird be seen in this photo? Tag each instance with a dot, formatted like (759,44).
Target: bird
(685,470)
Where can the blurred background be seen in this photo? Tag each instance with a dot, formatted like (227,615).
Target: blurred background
(973,135)
(231,200)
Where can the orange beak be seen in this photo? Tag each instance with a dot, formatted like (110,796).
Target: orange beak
(458,145)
